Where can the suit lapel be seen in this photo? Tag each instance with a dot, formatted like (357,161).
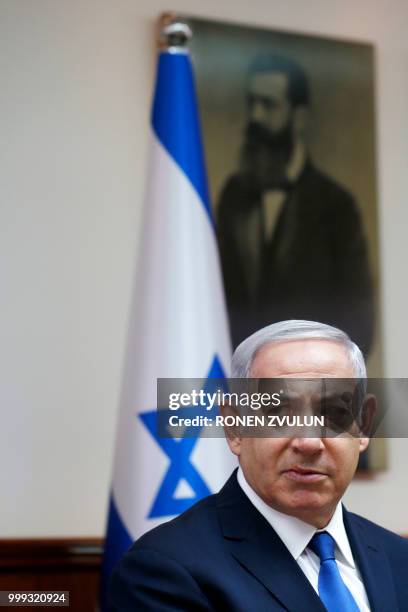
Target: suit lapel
(373,565)
(258,548)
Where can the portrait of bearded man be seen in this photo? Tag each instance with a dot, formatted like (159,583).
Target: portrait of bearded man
(291,238)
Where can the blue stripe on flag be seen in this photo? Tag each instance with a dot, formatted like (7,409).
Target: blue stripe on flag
(175,119)
(216,370)
(117,542)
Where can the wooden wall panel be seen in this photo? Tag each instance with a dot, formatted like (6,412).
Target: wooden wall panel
(61,564)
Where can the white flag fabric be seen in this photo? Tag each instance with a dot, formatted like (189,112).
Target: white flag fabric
(178,325)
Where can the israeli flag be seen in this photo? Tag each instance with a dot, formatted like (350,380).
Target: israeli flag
(178,326)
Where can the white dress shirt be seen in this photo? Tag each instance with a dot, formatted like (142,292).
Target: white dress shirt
(296,535)
(273,200)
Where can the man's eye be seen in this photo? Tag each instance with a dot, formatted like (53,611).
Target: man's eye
(268,104)
(275,410)
(338,418)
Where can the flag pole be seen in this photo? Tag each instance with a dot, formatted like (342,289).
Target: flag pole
(173,32)
(178,326)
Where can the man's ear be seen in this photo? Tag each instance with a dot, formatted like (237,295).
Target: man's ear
(232,433)
(300,118)
(368,412)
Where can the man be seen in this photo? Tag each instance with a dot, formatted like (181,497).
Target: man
(291,239)
(276,537)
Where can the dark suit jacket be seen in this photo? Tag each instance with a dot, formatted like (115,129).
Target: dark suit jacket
(314,267)
(222,555)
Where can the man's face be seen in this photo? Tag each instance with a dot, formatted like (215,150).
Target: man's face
(268,141)
(302,477)
(269,104)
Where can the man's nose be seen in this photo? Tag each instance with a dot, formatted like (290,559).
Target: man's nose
(307,446)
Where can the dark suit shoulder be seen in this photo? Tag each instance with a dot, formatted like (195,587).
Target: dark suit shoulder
(330,191)
(174,537)
(239,193)
(159,572)
(380,535)
(237,181)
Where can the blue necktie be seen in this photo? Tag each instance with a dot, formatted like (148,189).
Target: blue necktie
(332,590)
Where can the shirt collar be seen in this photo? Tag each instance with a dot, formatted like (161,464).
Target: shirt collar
(293,532)
(338,532)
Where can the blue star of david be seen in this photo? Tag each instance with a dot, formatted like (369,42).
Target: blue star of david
(179,452)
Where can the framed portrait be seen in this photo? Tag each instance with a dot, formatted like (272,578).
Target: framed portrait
(288,125)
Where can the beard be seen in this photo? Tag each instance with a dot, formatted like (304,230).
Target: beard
(265,154)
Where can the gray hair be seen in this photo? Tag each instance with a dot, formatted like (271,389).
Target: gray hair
(246,352)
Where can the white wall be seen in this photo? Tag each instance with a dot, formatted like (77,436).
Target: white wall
(76,79)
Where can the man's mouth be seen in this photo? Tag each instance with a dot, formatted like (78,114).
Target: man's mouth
(305,475)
